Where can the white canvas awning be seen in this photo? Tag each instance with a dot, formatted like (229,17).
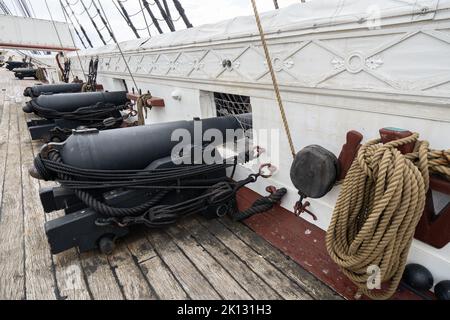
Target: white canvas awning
(34,34)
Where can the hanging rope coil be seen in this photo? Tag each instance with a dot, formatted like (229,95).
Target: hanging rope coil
(142,105)
(380,204)
(41,74)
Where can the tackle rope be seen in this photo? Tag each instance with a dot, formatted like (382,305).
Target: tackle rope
(379,207)
(41,74)
(91,84)
(274,80)
(141,105)
(263,204)
(215,192)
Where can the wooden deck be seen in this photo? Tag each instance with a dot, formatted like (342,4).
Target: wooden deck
(197,259)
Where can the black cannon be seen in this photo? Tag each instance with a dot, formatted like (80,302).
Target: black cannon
(62,113)
(112,181)
(48,89)
(22,73)
(11,65)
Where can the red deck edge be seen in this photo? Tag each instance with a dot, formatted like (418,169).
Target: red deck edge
(22,46)
(304,243)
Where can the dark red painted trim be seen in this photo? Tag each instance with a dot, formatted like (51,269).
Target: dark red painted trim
(304,243)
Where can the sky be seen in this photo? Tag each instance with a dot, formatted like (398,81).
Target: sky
(198,11)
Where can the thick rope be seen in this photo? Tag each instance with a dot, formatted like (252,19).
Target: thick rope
(377,212)
(274,79)
(262,205)
(142,106)
(40,74)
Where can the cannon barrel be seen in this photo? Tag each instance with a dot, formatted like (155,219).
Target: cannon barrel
(11,65)
(38,90)
(70,102)
(137,147)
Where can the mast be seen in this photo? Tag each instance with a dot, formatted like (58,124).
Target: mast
(182,13)
(93,22)
(152,16)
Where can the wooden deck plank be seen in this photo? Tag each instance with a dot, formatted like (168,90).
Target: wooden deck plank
(40,280)
(129,275)
(272,276)
(192,281)
(140,247)
(12,271)
(4,138)
(69,275)
(312,285)
(100,277)
(249,280)
(154,269)
(216,274)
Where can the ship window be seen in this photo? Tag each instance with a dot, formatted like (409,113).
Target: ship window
(232,104)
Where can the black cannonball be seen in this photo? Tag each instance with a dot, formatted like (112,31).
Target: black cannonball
(442,290)
(418,277)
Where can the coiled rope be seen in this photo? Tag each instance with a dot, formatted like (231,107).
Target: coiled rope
(41,74)
(377,212)
(142,106)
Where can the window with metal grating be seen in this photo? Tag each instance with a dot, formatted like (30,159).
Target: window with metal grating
(232,104)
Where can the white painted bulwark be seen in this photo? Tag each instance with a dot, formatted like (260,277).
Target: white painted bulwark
(29,33)
(342,65)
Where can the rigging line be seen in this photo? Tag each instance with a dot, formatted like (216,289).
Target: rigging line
(14,8)
(152,16)
(127,18)
(274,79)
(19,5)
(118,46)
(66,16)
(54,24)
(145,18)
(166,7)
(182,13)
(5,7)
(71,36)
(81,26)
(93,22)
(131,15)
(74,5)
(112,38)
(32,8)
(25,6)
(275,3)
(165,17)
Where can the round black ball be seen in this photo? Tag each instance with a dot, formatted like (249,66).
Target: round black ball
(442,290)
(418,277)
